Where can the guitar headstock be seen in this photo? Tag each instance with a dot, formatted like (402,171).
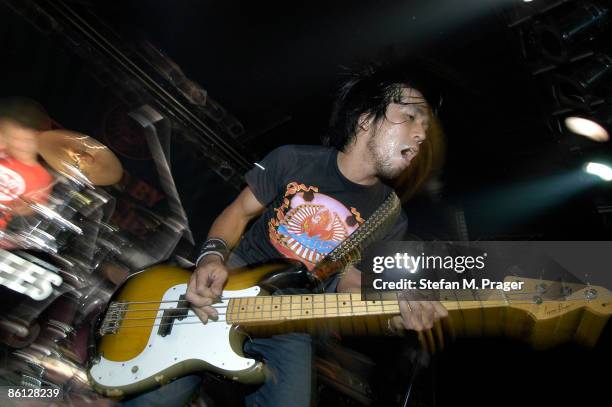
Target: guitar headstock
(547,299)
(561,311)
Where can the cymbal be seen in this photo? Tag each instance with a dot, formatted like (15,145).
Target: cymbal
(66,151)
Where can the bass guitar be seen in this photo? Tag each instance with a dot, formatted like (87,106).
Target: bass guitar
(150,336)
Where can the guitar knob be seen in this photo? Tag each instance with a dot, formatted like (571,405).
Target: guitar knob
(590,294)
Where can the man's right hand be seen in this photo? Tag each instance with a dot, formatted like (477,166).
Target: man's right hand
(205,287)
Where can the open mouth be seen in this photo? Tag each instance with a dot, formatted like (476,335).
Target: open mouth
(409,152)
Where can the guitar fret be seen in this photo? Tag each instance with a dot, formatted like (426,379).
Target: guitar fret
(264,302)
(252,303)
(240,309)
(318,311)
(285,307)
(343,308)
(358,307)
(296,306)
(299,313)
(276,306)
(259,306)
(254,308)
(325,305)
(232,309)
(270,305)
(332,307)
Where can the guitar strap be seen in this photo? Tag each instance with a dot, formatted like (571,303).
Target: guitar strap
(349,251)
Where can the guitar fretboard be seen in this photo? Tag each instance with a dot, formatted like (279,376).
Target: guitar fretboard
(280,308)
(295,307)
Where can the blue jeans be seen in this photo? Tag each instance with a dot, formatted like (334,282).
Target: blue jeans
(289,362)
(174,394)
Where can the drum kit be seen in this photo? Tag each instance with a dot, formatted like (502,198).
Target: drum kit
(68,235)
(80,163)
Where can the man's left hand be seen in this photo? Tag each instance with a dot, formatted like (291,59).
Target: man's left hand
(417,316)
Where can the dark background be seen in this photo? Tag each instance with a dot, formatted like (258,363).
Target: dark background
(275,68)
(275,65)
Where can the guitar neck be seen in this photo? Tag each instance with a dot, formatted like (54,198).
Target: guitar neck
(344,311)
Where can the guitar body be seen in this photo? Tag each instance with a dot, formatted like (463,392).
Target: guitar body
(160,339)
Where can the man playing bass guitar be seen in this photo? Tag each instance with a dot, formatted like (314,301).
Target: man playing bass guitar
(308,199)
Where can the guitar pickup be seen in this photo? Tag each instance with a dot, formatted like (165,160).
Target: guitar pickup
(172,314)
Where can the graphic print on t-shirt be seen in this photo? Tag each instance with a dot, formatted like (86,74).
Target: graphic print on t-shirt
(12,184)
(309,224)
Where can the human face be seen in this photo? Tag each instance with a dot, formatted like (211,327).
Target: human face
(20,142)
(397,139)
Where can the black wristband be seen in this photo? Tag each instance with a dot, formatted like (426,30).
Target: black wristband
(214,246)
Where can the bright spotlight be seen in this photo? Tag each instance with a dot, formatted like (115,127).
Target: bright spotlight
(601,170)
(587,128)
(594,125)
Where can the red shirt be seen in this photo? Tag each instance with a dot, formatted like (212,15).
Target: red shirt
(20,179)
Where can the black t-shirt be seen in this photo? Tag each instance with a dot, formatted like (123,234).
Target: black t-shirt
(311,206)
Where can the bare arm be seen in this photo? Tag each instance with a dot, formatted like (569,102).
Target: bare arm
(207,281)
(230,224)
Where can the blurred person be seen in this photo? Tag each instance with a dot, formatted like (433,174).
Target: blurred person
(22,178)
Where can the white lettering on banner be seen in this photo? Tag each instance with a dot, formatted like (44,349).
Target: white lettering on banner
(25,277)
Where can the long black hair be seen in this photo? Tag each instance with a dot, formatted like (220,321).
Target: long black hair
(369,91)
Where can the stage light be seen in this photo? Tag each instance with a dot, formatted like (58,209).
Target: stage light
(575,90)
(596,126)
(583,23)
(594,71)
(587,128)
(603,171)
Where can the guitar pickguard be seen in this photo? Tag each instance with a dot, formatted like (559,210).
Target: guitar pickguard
(188,346)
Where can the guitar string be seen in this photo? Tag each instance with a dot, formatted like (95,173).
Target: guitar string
(254,310)
(196,322)
(168,301)
(392,312)
(385,302)
(169,309)
(313,308)
(246,320)
(372,302)
(220,306)
(283,296)
(313,316)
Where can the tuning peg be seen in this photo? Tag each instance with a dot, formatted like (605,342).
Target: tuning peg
(590,293)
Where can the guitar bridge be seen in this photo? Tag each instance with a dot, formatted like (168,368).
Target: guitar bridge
(112,319)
